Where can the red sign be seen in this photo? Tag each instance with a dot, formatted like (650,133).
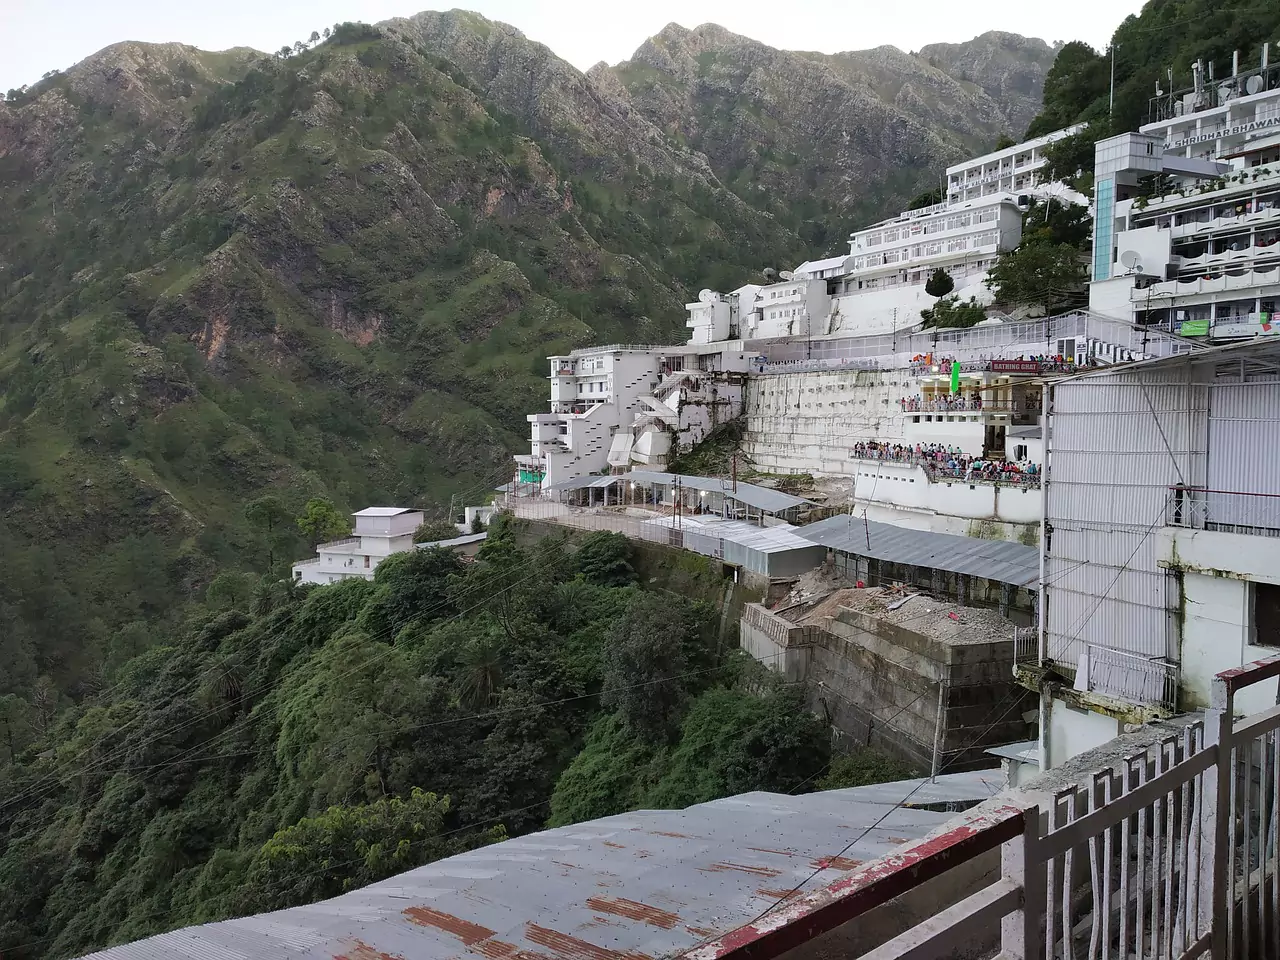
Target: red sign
(1015,366)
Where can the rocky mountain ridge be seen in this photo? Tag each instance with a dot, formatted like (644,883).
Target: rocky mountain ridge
(825,142)
(228,275)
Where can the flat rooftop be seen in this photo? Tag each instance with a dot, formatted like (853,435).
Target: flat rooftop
(636,886)
(950,623)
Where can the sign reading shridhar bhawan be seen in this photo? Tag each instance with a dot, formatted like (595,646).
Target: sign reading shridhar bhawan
(1238,129)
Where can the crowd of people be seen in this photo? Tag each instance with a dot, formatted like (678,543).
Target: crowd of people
(947,461)
(919,404)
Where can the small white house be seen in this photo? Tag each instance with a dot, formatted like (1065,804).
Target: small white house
(379,532)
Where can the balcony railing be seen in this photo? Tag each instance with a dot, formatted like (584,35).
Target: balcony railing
(1132,677)
(1169,851)
(966,469)
(1227,511)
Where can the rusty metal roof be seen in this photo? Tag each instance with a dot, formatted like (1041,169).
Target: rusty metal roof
(637,886)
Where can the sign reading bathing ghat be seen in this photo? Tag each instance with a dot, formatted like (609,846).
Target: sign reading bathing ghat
(1015,366)
(1235,131)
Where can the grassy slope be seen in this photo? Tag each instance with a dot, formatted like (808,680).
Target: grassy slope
(337,275)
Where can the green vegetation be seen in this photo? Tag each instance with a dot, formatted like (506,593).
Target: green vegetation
(298,742)
(953,312)
(1167,33)
(1047,270)
(939,283)
(229,280)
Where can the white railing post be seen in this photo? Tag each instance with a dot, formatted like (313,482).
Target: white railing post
(1021,936)
(1216,816)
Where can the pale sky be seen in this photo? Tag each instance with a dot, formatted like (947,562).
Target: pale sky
(39,35)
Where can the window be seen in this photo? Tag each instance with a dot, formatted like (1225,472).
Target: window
(1265,619)
(366,563)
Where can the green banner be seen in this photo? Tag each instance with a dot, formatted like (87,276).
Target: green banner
(955,376)
(1194,328)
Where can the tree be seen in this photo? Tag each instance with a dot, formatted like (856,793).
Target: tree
(321,521)
(481,677)
(229,591)
(1071,158)
(733,742)
(605,558)
(477,525)
(15,727)
(1004,142)
(926,199)
(284,52)
(269,518)
(951,312)
(644,663)
(939,283)
(1041,275)
(429,531)
(352,846)
(1079,77)
(299,46)
(1054,222)
(314,38)
(327,33)
(863,767)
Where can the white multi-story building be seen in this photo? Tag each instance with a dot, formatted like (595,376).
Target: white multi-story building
(1019,170)
(621,405)
(879,286)
(957,237)
(379,532)
(1188,211)
(1161,543)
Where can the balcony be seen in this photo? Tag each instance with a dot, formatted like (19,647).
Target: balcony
(1225,511)
(1161,844)
(1212,283)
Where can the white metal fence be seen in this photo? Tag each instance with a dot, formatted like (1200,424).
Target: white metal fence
(1168,853)
(1229,511)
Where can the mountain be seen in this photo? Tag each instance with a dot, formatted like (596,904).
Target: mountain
(827,142)
(337,272)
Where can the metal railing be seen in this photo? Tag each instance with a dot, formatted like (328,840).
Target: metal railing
(1132,677)
(1227,511)
(938,472)
(1026,645)
(1167,853)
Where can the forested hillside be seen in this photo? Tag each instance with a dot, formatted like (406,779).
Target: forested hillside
(1166,34)
(234,282)
(380,725)
(829,143)
(337,273)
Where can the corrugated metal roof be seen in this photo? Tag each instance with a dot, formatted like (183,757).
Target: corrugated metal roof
(635,886)
(383,511)
(583,483)
(458,541)
(762,498)
(776,539)
(999,560)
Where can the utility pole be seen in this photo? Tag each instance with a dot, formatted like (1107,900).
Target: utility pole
(734,470)
(1111,109)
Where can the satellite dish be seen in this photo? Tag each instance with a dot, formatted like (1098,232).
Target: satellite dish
(769,274)
(1130,259)
(1254,84)
(706,296)
(786,275)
